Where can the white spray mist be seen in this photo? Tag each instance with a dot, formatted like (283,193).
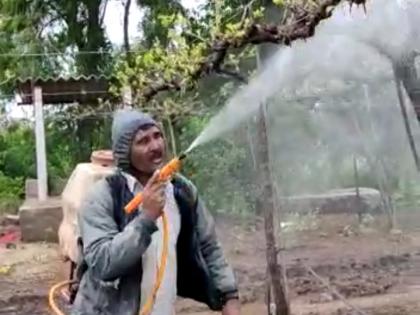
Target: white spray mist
(345,38)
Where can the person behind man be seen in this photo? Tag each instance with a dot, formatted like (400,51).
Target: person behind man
(120,253)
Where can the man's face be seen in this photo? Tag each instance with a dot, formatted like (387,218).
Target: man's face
(148,150)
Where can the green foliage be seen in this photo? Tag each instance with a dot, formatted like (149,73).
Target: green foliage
(158,19)
(159,64)
(10,187)
(278,2)
(50,26)
(220,170)
(177,57)
(17,151)
(407,194)
(17,154)
(11,191)
(38,27)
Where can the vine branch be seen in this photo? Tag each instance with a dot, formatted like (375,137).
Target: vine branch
(301,25)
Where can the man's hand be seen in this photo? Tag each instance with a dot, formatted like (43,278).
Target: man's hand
(154,197)
(232,307)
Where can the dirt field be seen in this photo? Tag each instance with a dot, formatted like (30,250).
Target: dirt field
(376,272)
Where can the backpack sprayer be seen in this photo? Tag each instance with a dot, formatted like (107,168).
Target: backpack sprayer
(165,174)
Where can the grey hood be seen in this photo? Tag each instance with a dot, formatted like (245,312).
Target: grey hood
(125,125)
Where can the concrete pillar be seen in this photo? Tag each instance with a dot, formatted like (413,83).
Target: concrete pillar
(41,156)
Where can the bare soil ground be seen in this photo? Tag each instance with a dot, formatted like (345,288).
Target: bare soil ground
(375,271)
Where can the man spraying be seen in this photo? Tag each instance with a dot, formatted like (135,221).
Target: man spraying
(120,253)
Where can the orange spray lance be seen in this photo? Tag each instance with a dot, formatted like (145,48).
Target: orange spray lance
(165,174)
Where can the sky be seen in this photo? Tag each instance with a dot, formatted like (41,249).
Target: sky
(115,14)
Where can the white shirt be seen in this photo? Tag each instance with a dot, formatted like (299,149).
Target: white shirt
(167,293)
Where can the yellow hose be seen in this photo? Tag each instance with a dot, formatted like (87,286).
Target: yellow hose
(147,308)
(51,296)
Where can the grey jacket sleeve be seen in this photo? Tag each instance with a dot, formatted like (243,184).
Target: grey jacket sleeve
(220,271)
(107,252)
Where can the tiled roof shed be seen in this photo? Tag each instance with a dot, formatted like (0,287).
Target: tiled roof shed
(38,91)
(61,90)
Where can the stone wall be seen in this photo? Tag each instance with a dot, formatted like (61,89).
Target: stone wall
(335,202)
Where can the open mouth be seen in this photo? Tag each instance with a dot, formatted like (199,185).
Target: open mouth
(157,160)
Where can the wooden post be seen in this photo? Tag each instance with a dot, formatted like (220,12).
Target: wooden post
(266,198)
(356,184)
(41,156)
(381,166)
(127,97)
(406,72)
(406,122)
(172,136)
